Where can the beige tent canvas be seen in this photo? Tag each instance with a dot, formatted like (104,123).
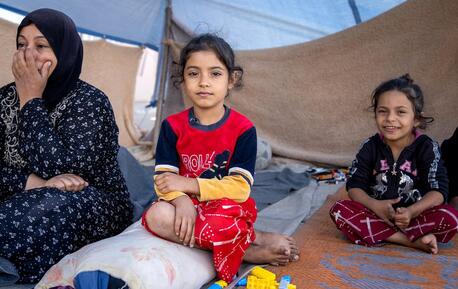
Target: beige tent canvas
(310,101)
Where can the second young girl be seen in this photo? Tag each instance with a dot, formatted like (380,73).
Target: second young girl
(397,182)
(205,160)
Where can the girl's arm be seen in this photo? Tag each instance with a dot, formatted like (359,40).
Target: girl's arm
(233,187)
(432,178)
(170,186)
(360,196)
(403,215)
(431,169)
(430,200)
(361,170)
(167,166)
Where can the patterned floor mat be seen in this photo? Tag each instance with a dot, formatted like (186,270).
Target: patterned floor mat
(330,261)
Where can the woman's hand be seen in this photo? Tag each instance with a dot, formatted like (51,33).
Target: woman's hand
(67,182)
(185,218)
(29,78)
(402,217)
(384,209)
(34,182)
(170,182)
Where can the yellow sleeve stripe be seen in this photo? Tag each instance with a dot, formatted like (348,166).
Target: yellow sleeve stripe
(233,187)
(246,174)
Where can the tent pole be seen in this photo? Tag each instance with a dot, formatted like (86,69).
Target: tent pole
(164,72)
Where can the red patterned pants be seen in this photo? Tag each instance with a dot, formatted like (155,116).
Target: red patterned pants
(226,228)
(363,227)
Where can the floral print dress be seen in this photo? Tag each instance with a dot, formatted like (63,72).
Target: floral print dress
(40,226)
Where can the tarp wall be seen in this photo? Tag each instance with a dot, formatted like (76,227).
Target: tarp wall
(245,24)
(310,101)
(109,67)
(138,22)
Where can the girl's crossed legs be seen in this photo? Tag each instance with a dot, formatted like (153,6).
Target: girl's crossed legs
(363,227)
(234,227)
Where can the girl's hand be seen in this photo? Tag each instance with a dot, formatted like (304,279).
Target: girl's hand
(30,80)
(402,217)
(185,218)
(170,182)
(67,182)
(384,209)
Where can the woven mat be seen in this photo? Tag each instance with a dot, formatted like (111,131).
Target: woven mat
(330,261)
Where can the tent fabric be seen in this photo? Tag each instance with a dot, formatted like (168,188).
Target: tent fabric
(310,101)
(259,24)
(246,24)
(111,68)
(137,22)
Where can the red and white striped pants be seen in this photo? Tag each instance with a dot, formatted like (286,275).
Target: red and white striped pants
(363,227)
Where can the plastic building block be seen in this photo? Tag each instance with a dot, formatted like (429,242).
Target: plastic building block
(284,281)
(242,282)
(256,283)
(291,286)
(262,273)
(218,285)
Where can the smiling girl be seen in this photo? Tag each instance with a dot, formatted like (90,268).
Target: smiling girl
(398,183)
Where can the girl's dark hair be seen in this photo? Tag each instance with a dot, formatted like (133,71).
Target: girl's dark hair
(209,42)
(413,92)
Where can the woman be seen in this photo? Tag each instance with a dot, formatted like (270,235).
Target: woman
(60,183)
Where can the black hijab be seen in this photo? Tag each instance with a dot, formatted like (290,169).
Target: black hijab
(60,31)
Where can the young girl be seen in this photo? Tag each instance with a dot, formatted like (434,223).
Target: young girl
(397,182)
(205,160)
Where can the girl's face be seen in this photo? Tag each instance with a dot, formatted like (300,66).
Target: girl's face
(30,37)
(206,80)
(395,118)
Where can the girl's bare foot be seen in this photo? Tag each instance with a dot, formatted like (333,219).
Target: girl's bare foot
(427,243)
(263,254)
(272,248)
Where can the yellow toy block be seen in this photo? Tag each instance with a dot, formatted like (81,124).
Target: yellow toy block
(218,285)
(256,283)
(291,286)
(221,283)
(262,273)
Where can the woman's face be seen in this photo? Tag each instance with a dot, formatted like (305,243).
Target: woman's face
(31,38)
